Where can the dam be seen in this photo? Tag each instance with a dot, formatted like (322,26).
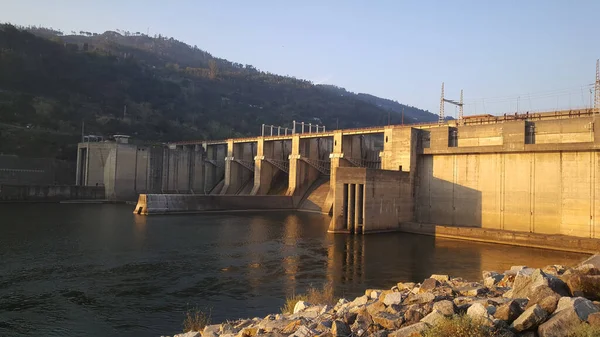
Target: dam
(530,178)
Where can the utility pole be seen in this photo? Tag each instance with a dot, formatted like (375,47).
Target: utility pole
(597,87)
(402,115)
(389,118)
(461,107)
(441,117)
(82,130)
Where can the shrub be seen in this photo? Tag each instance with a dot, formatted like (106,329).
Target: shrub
(290,303)
(461,326)
(320,296)
(196,320)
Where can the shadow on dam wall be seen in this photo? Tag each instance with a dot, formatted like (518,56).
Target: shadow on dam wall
(446,201)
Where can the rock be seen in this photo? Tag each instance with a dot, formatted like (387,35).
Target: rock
(583,306)
(479,312)
(419,298)
(568,316)
(227,328)
(492,281)
(363,320)
(248,332)
(214,328)
(292,326)
(375,307)
(410,331)
(323,326)
(300,306)
(362,300)
(440,278)
(339,328)
(528,280)
(428,285)
(434,318)
(189,334)
(508,311)
(303,331)
(549,303)
(388,321)
(594,319)
(375,294)
(472,291)
(269,325)
(587,286)
(392,298)
(530,319)
(462,300)
(518,268)
(405,285)
(349,317)
(413,315)
(554,269)
(445,307)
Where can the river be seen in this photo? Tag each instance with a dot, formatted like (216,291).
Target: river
(99,270)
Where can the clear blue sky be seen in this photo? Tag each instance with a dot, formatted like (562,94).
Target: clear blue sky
(542,51)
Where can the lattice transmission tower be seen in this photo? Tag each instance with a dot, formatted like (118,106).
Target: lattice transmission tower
(460,105)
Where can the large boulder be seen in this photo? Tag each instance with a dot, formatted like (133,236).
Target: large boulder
(413,314)
(528,280)
(491,278)
(471,290)
(375,307)
(428,285)
(434,318)
(569,314)
(441,278)
(363,320)
(300,306)
(530,319)
(587,286)
(388,321)
(392,298)
(419,298)
(304,331)
(411,330)
(480,313)
(508,311)
(445,307)
(339,329)
(549,303)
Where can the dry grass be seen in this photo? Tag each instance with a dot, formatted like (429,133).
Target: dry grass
(461,326)
(317,296)
(585,330)
(196,320)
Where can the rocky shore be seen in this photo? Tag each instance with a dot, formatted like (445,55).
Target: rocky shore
(554,301)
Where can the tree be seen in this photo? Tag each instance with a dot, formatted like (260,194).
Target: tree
(213,69)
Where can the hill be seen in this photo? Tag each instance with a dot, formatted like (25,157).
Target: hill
(153,88)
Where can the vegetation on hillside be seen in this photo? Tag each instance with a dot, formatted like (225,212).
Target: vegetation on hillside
(152,88)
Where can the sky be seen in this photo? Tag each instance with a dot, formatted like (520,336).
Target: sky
(508,55)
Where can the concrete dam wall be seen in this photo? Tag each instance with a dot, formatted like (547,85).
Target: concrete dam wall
(530,173)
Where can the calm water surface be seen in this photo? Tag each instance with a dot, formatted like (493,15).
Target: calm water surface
(99,270)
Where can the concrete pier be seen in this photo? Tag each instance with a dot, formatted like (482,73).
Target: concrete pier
(185,203)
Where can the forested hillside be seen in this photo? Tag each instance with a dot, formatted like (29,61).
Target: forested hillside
(152,88)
